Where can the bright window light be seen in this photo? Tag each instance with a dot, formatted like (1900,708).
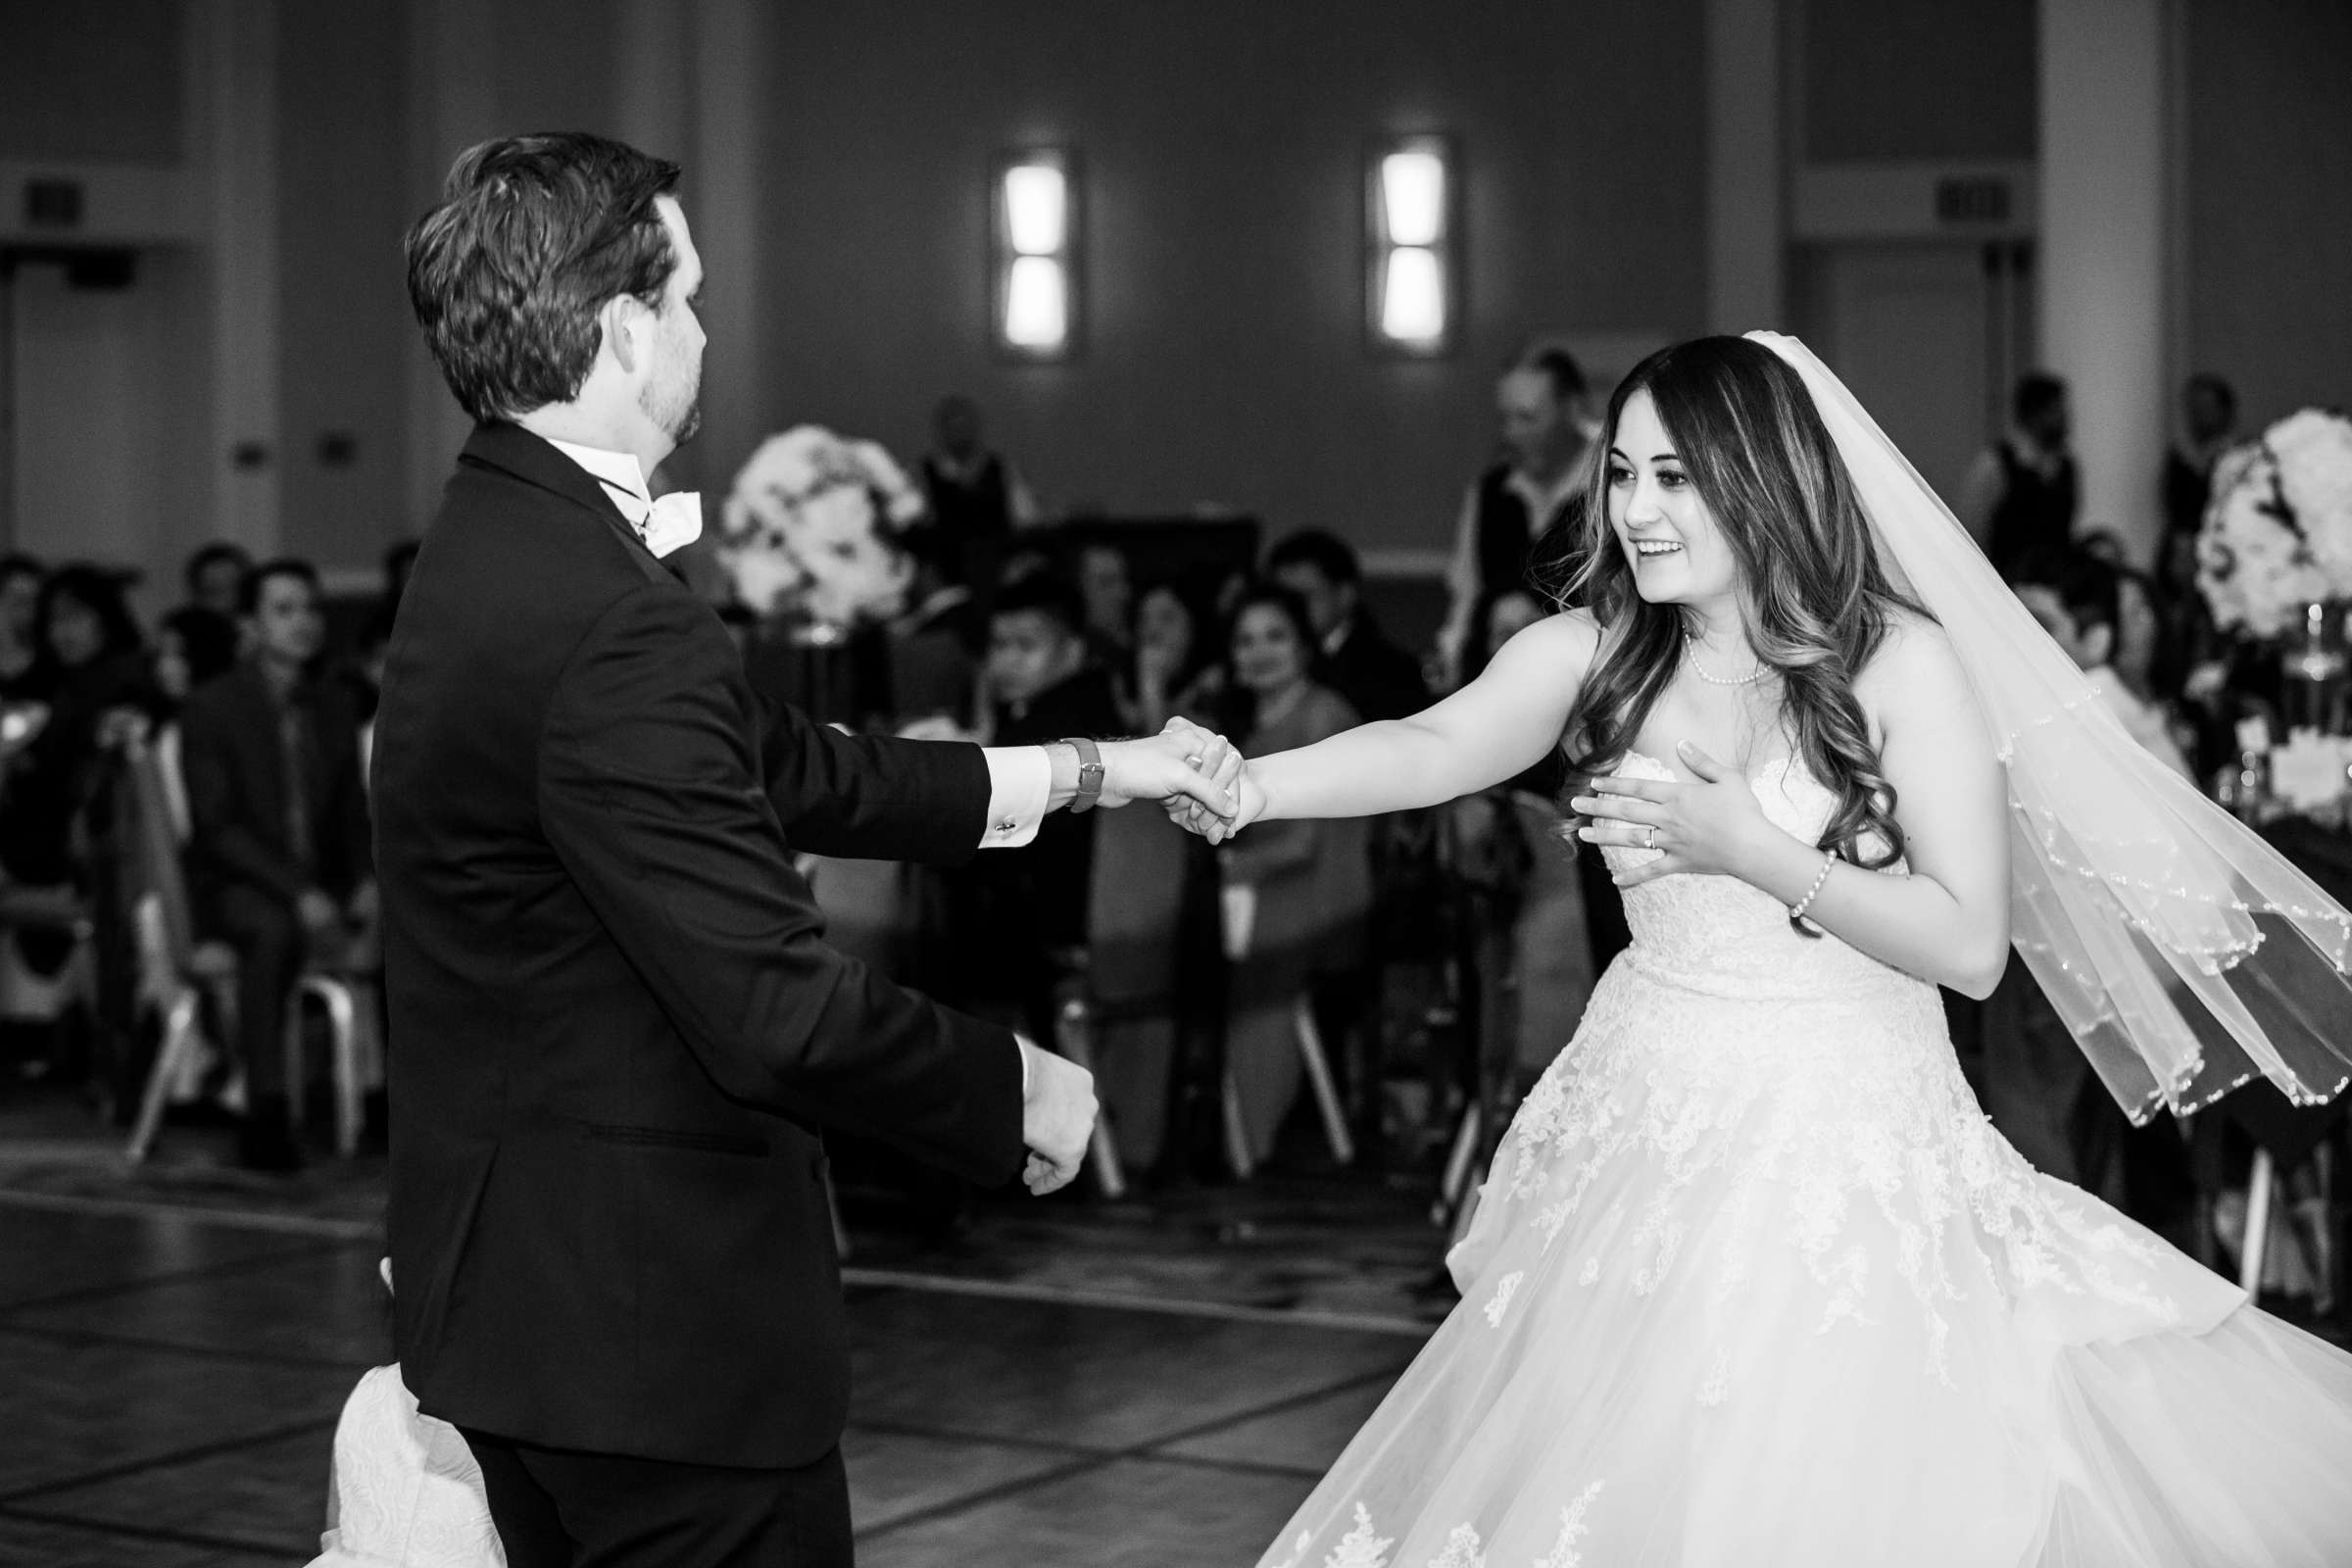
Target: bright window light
(1037,315)
(1412,189)
(1036,208)
(1412,297)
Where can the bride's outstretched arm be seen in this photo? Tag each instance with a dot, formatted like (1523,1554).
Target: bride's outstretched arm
(1497,726)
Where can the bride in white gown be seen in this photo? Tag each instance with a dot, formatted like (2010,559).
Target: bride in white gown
(1752,1279)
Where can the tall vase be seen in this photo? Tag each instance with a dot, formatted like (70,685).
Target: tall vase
(2315,672)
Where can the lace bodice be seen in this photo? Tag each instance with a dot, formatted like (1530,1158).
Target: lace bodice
(1718,935)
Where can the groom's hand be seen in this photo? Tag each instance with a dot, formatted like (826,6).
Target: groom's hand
(1248,803)
(1183,761)
(1057,1119)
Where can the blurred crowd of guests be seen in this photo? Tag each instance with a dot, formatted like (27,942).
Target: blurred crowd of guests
(252,728)
(1020,630)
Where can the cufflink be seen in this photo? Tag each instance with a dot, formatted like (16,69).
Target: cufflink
(1008,825)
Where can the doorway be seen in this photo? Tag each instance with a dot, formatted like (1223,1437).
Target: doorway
(1930,334)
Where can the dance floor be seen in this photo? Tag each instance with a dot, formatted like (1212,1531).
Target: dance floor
(1153,1383)
(1104,1385)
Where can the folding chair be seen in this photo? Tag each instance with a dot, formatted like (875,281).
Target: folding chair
(186,971)
(1117,1015)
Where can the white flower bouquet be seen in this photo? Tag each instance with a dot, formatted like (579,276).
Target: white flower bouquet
(812,523)
(2277,534)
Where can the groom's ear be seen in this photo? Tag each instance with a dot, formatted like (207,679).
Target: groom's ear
(626,326)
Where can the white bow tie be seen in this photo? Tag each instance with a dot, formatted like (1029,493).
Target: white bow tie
(669,523)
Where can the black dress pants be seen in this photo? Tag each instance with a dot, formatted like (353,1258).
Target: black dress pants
(272,947)
(558,1508)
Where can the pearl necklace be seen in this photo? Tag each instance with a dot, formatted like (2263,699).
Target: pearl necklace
(1701,671)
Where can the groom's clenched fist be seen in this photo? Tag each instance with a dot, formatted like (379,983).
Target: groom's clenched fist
(1057,1119)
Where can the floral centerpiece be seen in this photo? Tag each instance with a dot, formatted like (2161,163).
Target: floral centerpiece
(812,527)
(2277,534)
(2275,558)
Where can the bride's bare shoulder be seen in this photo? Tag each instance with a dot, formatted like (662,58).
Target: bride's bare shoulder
(1570,633)
(1914,671)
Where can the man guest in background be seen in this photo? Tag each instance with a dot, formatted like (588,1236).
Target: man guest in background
(2020,496)
(215,576)
(278,849)
(2208,427)
(1354,658)
(616,1025)
(977,498)
(1548,431)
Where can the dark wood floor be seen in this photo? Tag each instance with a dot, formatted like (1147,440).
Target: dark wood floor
(172,1384)
(1153,1383)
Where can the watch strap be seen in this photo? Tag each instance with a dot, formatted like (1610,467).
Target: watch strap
(1089,773)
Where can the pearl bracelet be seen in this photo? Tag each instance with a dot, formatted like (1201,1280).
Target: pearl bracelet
(1797,910)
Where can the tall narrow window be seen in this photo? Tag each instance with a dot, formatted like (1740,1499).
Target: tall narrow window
(1034,255)
(1413,289)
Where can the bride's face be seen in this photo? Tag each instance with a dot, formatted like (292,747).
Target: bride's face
(1671,540)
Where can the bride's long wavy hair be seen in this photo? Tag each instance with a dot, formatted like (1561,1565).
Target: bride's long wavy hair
(1818,603)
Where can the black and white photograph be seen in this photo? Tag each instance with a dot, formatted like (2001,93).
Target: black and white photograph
(1179,784)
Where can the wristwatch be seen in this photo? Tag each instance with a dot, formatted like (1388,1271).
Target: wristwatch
(1089,773)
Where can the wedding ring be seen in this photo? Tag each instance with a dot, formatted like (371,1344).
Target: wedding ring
(1649,836)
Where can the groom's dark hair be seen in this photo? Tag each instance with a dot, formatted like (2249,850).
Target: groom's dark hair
(532,236)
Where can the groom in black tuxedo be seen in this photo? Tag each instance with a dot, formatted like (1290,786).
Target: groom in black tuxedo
(615,1024)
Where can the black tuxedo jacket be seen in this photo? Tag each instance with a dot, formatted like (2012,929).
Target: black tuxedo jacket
(232,761)
(614,1020)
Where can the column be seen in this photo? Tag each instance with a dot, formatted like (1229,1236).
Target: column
(234,47)
(454,104)
(725,199)
(1746,223)
(2104,248)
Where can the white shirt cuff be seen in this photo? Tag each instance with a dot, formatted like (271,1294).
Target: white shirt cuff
(1020,781)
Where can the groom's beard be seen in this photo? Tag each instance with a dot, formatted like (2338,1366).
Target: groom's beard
(676,410)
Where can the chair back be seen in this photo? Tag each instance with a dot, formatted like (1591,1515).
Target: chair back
(1135,905)
(159,873)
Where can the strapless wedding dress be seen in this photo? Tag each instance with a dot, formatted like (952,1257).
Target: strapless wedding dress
(1753,1281)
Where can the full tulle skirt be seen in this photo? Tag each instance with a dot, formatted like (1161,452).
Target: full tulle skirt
(1753,1281)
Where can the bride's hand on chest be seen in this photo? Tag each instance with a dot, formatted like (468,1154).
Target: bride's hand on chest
(1711,826)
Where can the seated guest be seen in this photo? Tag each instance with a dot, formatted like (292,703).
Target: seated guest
(92,662)
(1355,658)
(1107,591)
(1175,669)
(279,858)
(58,820)
(216,577)
(1025,914)
(192,647)
(1310,882)
(2081,601)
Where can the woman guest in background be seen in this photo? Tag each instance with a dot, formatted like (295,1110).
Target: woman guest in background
(1310,884)
(1751,1279)
(1174,669)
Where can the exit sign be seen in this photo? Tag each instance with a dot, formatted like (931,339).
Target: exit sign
(1972,199)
